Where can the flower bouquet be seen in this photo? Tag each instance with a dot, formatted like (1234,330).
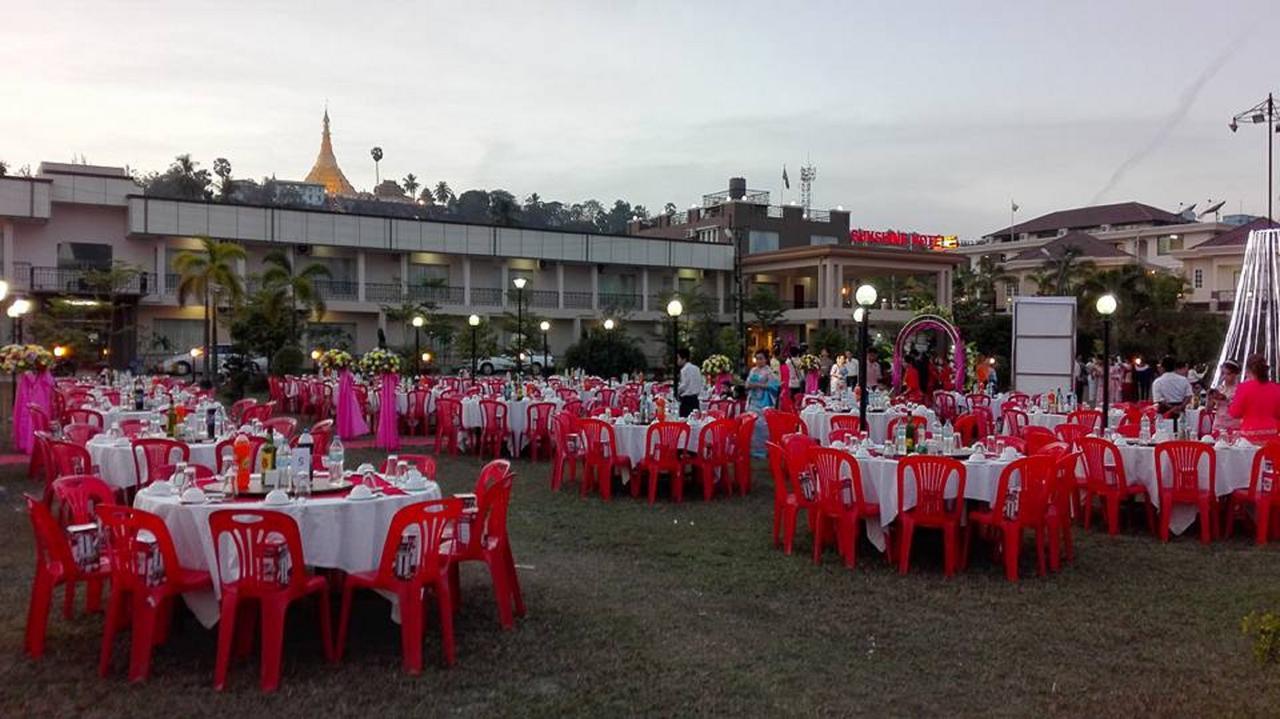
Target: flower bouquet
(377,362)
(24,358)
(809,363)
(335,360)
(719,372)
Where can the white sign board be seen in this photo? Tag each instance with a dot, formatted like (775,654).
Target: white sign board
(1044,344)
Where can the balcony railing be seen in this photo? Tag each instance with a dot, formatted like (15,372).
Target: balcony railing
(577,300)
(541,298)
(66,280)
(337,289)
(437,295)
(620,300)
(486,296)
(1224,295)
(390,292)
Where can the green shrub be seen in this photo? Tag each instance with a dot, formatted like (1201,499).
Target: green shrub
(287,360)
(1264,628)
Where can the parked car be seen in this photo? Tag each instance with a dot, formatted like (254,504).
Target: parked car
(506,363)
(192,363)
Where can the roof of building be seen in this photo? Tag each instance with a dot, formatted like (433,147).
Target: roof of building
(1080,218)
(1088,245)
(326,171)
(1238,235)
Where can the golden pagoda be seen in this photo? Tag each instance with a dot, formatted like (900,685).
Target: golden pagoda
(326,171)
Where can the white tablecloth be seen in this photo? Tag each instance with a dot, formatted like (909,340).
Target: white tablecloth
(116,415)
(817,421)
(336,533)
(114,459)
(517,416)
(631,439)
(1233,467)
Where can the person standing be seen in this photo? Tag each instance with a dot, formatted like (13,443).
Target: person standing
(1219,400)
(1257,402)
(825,363)
(1093,381)
(839,374)
(691,383)
(1171,391)
(795,377)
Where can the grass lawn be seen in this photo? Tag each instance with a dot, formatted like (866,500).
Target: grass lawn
(675,610)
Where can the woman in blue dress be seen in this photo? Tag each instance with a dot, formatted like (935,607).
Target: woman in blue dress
(763,386)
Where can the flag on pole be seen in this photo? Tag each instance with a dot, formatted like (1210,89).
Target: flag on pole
(1013,206)
(785,181)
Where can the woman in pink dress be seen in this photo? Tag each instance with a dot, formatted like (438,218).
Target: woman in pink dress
(1220,398)
(1257,402)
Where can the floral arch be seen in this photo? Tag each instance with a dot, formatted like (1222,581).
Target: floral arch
(921,323)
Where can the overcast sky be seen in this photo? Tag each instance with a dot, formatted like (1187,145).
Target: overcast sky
(919,116)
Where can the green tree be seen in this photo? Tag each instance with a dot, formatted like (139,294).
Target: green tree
(299,288)
(606,353)
(443,193)
(476,341)
(764,305)
(410,184)
(182,181)
(210,274)
(262,327)
(1062,276)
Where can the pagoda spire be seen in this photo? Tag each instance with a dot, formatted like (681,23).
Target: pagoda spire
(325,171)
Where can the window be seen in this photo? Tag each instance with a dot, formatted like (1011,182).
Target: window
(84,256)
(1165,245)
(822,240)
(760,241)
(709,234)
(1011,289)
(1197,279)
(428,274)
(341,269)
(619,284)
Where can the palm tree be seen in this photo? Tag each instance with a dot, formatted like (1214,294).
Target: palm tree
(410,184)
(300,287)
(209,273)
(1062,275)
(444,194)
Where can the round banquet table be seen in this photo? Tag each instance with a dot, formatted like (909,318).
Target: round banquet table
(116,415)
(114,459)
(1233,466)
(631,438)
(517,416)
(337,533)
(817,422)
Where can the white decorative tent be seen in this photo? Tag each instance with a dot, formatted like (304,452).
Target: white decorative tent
(1255,317)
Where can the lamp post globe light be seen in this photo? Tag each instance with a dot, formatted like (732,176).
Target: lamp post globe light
(474,321)
(519,282)
(545,326)
(675,308)
(20,307)
(1106,307)
(418,322)
(609,324)
(865,296)
(4,289)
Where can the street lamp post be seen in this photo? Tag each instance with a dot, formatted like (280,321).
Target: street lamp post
(418,321)
(315,359)
(20,307)
(1263,113)
(519,282)
(609,324)
(1106,307)
(474,321)
(545,326)
(675,308)
(865,297)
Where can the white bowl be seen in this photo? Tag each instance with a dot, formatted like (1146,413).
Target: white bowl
(193,495)
(161,488)
(276,497)
(360,492)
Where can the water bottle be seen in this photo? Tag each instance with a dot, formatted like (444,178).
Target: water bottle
(1144,429)
(211,423)
(900,437)
(335,461)
(302,458)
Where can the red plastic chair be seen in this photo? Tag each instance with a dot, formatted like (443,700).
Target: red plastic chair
(930,476)
(1178,482)
(1204,426)
(1261,496)
(487,541)
(425,463)
(605,396)
(944,404)
(415,415)
(802,486)
(77,495)
(1034,438)
(55,565)
(727,407)
(570,447)
(286,426)
(1015,421)
(920,423)
(966,427)
(986,423)
(664,443)
(716,455)
(260,412)
(1105,477)
(602,459)
(1058,512)
(1017,443)
(448,424)
(846,422)
(152,453)
(493,427)
(131,427)
(1019,398)
(1090,419)
(977,400)
(742,452)
(40,421)
(80,433)
(1019,505)
(236,413)
(412,561)
(781,423)
(783,501)
(841,504)
(538,428)
(67,458)
(1070,432)
(91,417)
(141,598)
(225,451)
(267,550)
(204,475)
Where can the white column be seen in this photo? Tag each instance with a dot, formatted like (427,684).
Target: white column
(560,285)
(505,283)
(821,285)
(360,276)
(719,293)
(595,286)
(644,289)
(404,276)
(577,329)
(162,268)
(466,281)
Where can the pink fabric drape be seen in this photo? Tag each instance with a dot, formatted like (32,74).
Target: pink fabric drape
(388,433)
(351,422)
(31,389)
(811,382)
(784,399)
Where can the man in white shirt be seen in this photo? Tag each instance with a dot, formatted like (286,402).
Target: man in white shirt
(1170,390)
(690,385)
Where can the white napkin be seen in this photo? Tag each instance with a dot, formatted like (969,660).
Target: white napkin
(161,488)
(193,495)
(360,491)
(276,497)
